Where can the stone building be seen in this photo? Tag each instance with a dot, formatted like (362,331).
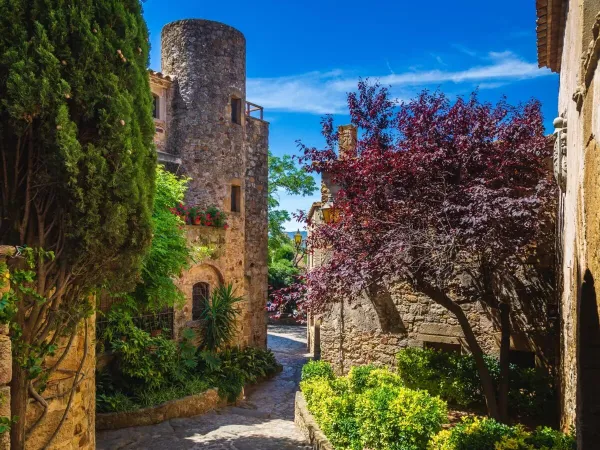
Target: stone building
(206,130)
(374,327)
(568,41)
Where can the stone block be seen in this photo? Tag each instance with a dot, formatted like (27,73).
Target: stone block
(5,360)
(440,329)
(5,401)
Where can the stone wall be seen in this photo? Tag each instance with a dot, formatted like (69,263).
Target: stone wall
(5,358)
(256,244)
(579,234)
(373,329)
(71,389)
(75,370)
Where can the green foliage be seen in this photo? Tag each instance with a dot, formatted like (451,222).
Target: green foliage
(74,85)
(8,306)
(545,438)
(487,434)
(317,369)
(236,367)
(282,273)
(116,402)
(169,252)
(370,409)
(398,418)
(219,318)
(455,378)
(285,175)
(190,386)
(145,360)
(334,411)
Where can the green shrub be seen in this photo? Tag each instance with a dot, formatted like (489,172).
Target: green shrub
(487,434)
(472,434)
(358,376)
(317,369)
(143,359)
(545,438)
(334,410)
(232,368)
(370,409)
(396,418)
(219,316)
(116,402)
(455,378)
(151,397)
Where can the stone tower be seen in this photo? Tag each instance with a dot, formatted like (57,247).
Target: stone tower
(223,149)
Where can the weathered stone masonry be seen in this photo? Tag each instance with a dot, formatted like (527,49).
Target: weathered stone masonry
(568,39)
(204,133)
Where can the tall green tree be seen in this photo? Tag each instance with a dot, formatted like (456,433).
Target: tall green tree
(77,167)
(169,252)
(286,176)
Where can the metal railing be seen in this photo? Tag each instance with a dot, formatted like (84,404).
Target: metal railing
(252,108)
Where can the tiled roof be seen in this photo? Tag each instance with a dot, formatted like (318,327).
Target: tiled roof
(550,29)
(159,75)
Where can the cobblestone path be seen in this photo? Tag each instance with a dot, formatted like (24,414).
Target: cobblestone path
(264,421)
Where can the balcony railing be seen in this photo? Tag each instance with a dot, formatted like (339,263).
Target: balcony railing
(252,108)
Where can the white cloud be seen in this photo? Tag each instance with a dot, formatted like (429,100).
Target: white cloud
(325,92)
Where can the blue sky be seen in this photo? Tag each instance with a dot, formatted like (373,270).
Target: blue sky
(304,56)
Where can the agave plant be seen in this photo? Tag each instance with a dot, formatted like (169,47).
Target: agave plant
(219,316)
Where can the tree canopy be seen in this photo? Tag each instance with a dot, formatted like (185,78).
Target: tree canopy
(77,164)
(286,176)
(451,197)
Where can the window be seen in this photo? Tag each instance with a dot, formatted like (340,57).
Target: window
(236,197)
(200,293)
(443,347)
(236,110)
(525,360)
(155,106)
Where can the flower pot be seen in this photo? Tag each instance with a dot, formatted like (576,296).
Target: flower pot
(197,221)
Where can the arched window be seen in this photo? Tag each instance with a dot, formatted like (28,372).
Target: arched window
(200,295)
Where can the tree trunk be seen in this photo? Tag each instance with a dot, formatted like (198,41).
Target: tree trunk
(504,361)
(487,382)
(18,405)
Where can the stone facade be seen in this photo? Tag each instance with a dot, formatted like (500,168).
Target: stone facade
(373,328)
(204,132)
(5,358)
(568,35)
(70,390)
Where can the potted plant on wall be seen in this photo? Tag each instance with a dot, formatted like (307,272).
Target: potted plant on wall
(195,215)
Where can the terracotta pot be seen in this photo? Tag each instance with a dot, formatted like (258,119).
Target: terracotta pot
(155,333)
(197,221)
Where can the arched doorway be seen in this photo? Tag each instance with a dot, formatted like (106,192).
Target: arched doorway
(588,417)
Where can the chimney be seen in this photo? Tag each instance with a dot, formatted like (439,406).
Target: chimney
(347,141)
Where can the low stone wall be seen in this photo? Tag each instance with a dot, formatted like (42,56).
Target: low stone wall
(307,424)
(190,406)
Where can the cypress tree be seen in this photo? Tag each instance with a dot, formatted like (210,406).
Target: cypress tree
(77,164)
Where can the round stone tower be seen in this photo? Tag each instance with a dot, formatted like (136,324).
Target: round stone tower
(208,63)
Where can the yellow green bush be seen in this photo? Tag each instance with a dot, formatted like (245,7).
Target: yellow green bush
(369,408)
(487,434)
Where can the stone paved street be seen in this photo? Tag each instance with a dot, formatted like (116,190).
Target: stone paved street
(265,421)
